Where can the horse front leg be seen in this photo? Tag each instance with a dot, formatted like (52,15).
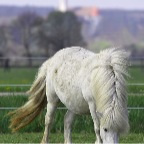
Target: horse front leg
(51,107)
(68,119)
(95,118)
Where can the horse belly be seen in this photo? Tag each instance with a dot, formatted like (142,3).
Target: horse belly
(74,101)
(68,89)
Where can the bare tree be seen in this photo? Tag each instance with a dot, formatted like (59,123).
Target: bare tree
(60,30)
(3,39)
(22,31)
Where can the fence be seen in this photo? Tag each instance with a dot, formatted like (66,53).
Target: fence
(60,108)
(28,85)
(137,61)
(21,61)
(36,61)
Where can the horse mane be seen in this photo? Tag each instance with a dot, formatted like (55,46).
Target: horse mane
(109,89)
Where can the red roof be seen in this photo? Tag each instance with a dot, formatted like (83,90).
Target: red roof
(87,11)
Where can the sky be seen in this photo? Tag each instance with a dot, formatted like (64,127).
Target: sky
(116,4)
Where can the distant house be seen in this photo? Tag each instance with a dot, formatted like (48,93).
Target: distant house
(87,12)
(90,18)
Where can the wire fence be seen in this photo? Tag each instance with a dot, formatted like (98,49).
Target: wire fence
(28,85)
(36,61)
(64,108)
(23,93)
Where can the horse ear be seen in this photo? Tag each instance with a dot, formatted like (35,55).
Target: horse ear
(99,114)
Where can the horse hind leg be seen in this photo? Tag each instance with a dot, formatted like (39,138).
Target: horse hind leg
(51,107)
(68,119)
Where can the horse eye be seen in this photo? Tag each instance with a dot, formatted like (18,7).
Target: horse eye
(105,130)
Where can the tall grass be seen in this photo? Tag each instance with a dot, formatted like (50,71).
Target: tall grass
(59,138)
(82,123)
(27,75)
(137,75)
(18,75)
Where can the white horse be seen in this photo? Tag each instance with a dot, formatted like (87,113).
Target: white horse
(84,82)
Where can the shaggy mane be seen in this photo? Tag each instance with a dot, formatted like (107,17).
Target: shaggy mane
(109,89)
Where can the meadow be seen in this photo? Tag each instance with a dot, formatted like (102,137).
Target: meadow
(83,125)
(58,138)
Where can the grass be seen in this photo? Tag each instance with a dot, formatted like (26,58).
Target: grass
(27,75)
(83,125)
(137,75)
(18,76)
(8,88)
(58,138)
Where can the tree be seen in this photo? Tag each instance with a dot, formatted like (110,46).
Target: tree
(60,30)
(22,31)
(5,41)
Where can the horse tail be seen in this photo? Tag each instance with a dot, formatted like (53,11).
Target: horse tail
(35,104)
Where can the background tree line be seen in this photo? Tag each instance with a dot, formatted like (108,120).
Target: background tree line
(31,35)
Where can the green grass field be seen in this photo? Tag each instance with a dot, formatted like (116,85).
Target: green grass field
(59,138)
(137,75)
(27,75)
(81,122)
(83,125)
(18,76)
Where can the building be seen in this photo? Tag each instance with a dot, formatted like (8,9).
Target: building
(63,5)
